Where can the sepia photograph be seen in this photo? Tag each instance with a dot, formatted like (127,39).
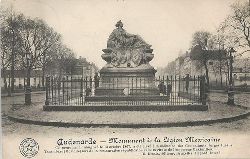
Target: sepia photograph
(141,79)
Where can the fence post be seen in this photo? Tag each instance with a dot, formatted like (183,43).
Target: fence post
(59,80)
(90,83)
(81,91)
(67,88)
(47,90)
(81,88)
(63,90)
(203,91)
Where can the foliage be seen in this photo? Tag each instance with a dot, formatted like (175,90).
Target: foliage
(201,38)
(236,28)
(28,44)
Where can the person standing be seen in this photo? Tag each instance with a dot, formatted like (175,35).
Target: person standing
(96,80)
(169,90)
(162,88)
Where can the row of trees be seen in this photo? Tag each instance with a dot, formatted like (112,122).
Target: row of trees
(28,44)
(233,32)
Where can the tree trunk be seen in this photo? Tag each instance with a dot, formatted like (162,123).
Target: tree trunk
(28,77)
(43,76)
(220,74)
(60,72)
(12,73)
(28,88)
(4,78)
(206,68)
(43,71)
(228,72)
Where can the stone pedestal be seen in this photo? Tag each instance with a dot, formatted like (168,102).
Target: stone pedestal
(127,72)
(127,81)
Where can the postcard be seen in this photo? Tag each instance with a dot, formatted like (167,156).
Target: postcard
(125,79)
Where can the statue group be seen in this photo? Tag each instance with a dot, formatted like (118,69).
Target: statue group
(126,50)
(127,56)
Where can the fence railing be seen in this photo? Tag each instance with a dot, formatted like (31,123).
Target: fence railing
(169,90)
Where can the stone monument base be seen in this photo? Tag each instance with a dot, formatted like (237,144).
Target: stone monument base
(127,81)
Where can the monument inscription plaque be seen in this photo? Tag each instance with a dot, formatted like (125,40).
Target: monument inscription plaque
(127,69)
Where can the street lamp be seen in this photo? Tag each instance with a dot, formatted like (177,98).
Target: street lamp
(230,100)
(28,89)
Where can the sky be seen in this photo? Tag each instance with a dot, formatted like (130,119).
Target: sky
(168,25)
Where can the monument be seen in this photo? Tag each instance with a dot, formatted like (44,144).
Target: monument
(127,71)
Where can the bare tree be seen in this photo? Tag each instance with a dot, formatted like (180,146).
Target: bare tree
(201,38)
(47,39)
(5,58)
(9,43)
(35,40)
(217,42)
(237,27)
(66,60)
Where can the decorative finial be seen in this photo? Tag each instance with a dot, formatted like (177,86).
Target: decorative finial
(119,24)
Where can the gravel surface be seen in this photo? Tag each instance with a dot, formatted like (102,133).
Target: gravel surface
(10,127)
(35,112)
(240,99)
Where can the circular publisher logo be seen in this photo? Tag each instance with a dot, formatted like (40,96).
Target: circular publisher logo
(29,147)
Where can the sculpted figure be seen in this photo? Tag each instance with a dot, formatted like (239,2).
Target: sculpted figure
(120,39)
(124,49)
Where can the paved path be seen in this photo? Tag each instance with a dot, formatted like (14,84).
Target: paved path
(240,98)
(13,127)
(217,110)
(10,127)
(18,99)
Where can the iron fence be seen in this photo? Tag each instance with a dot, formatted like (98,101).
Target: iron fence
(168,90)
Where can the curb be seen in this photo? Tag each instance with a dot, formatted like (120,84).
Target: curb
(225,92)
(20,94)
(128,108)
(131,125)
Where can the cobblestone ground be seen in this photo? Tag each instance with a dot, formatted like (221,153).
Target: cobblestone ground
(10,127)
